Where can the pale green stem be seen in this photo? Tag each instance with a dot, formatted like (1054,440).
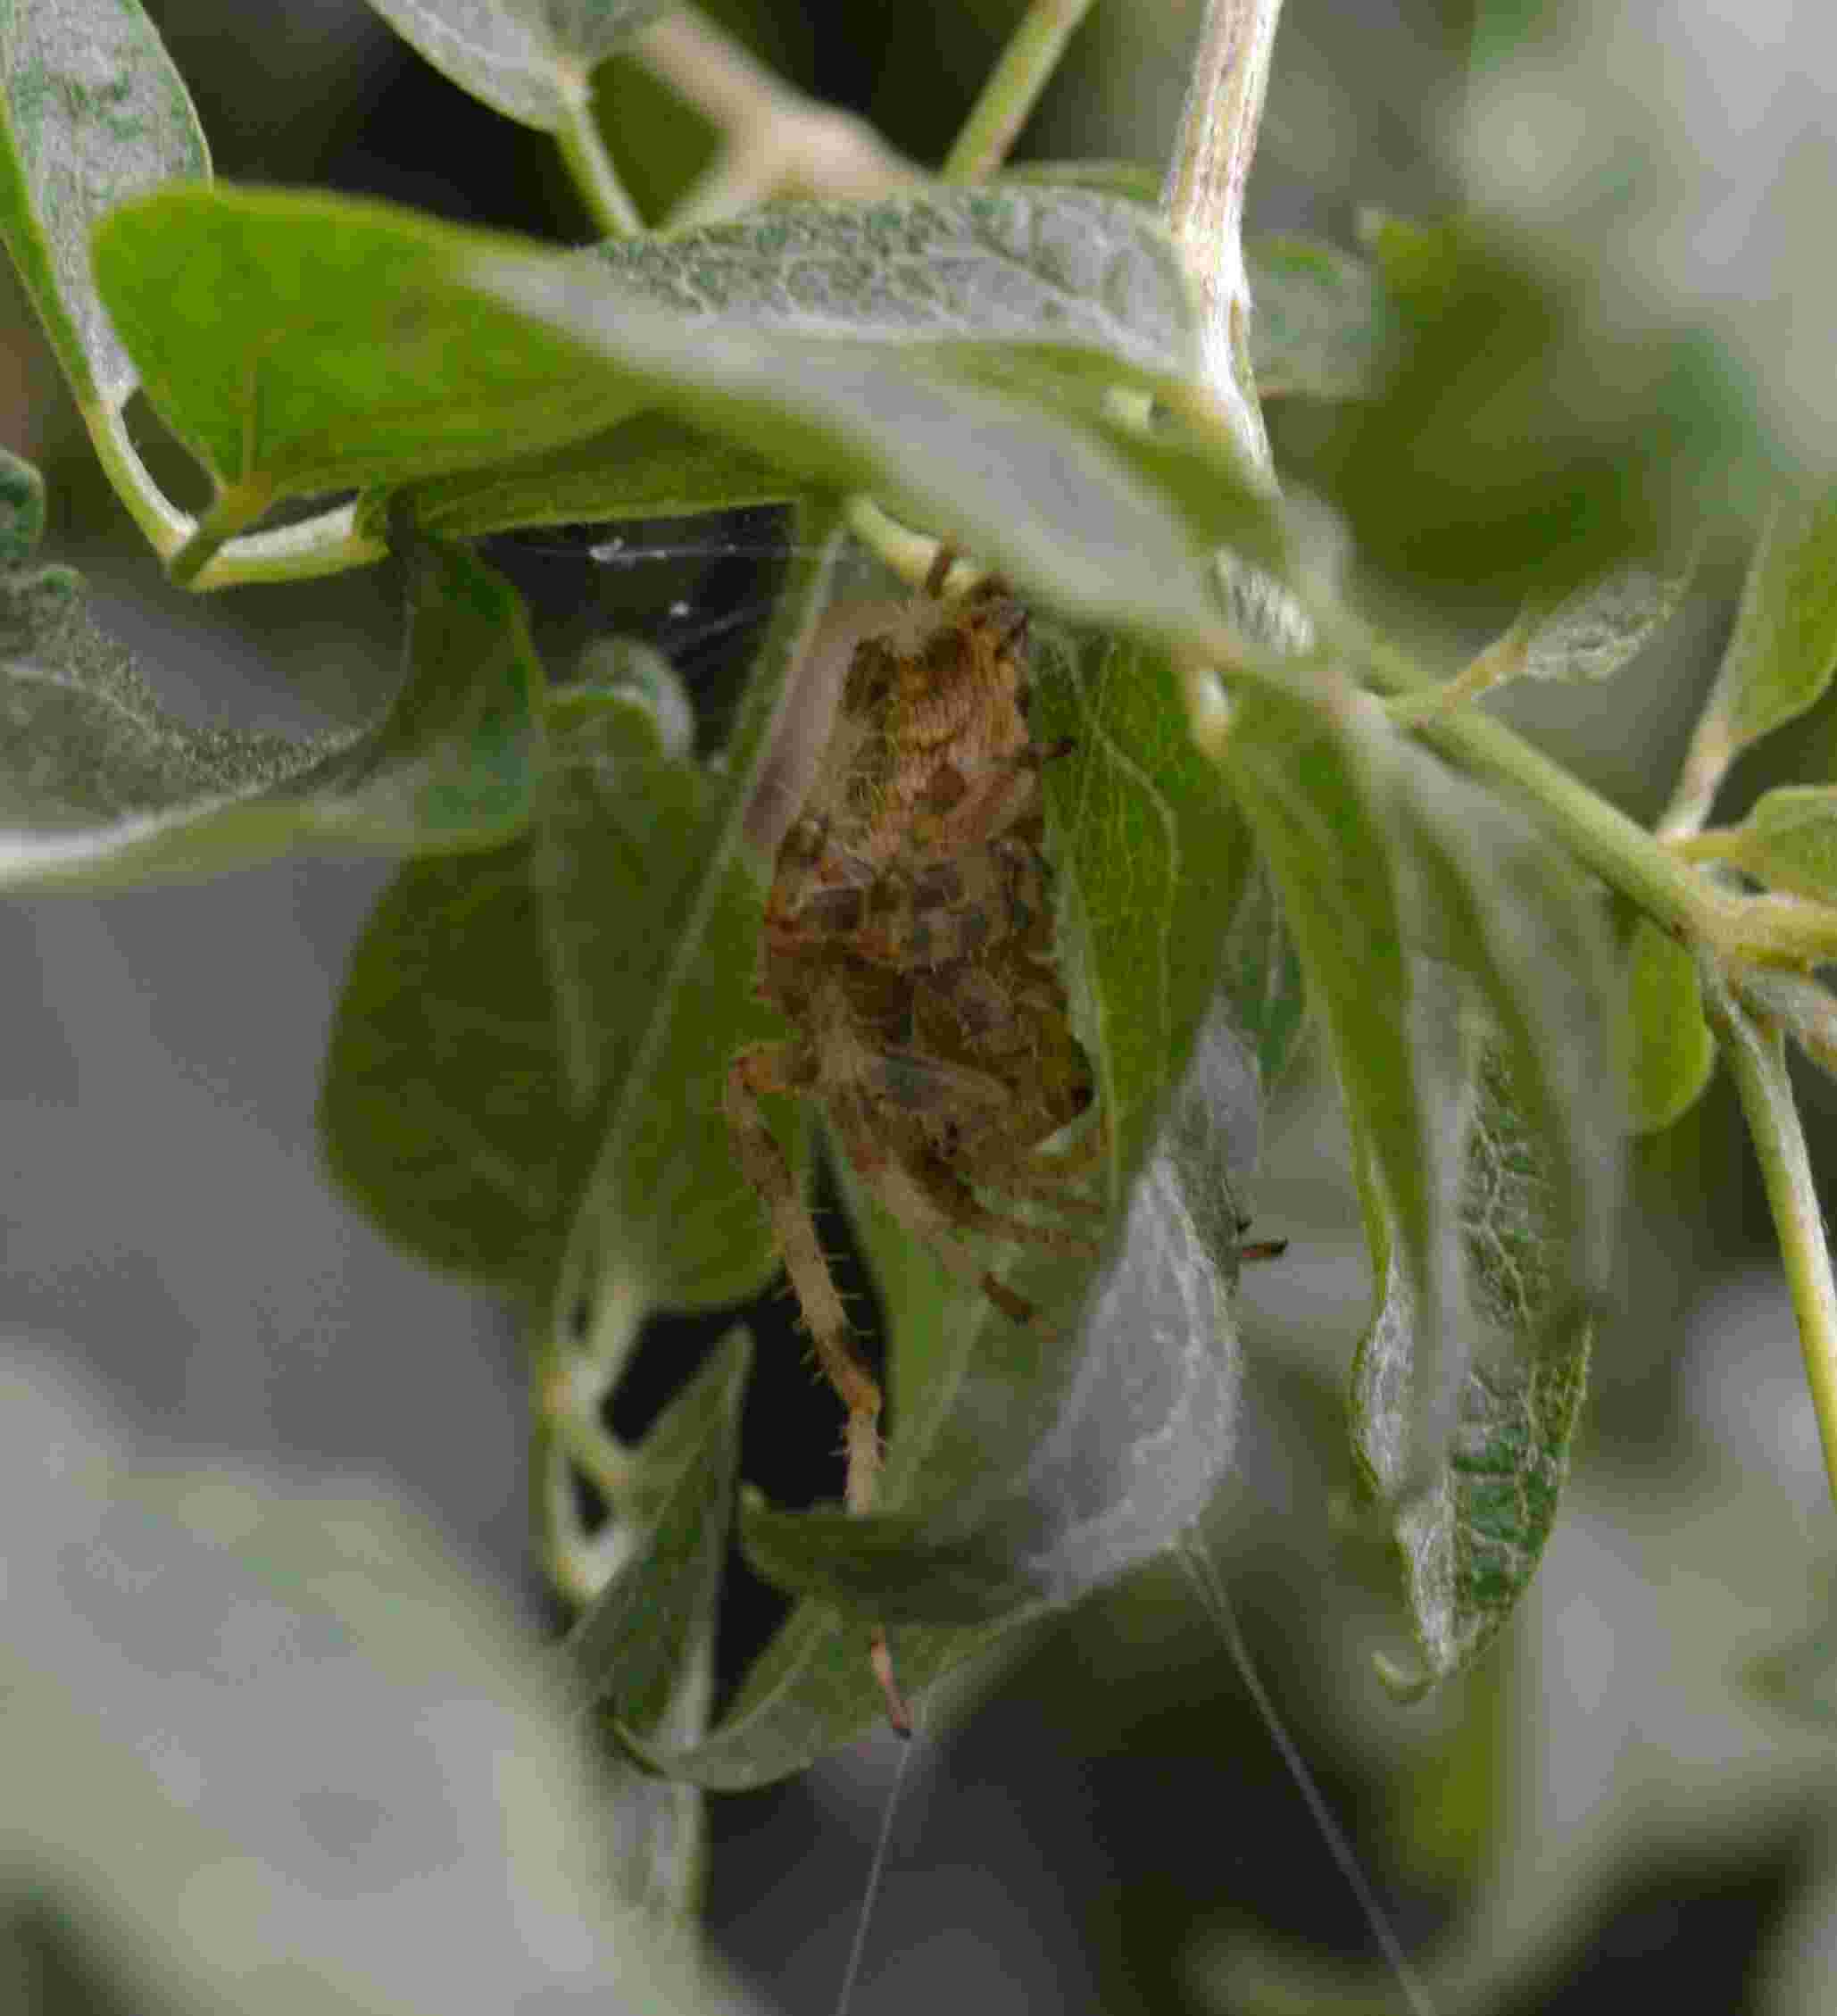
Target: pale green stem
(1769,930)
(775,138)
(1714,744)
(1500,659)
(569,1382)
(1705,765)
(166,528)
(1013,89)
(237,505)
(908,554)
(1203,198)
(584,149)
(328,544)
(1756,1060)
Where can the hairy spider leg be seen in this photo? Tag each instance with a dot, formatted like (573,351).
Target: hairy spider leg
(955,1196)
(904,1190)
(786,1067)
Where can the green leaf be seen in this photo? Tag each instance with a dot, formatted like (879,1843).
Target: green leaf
(506,1015)
(1784,650)
(1515,446)
(1788,840)
(650,1626)
(320,1709)
(1024,1468)
(1136,180)
(530,60)
(1261,980)
(1471,1541)
(1069,268)
(1595,629)
(21,510)
(1672,1052)
(651,466)
(1317,319)
(1096,519)
(1315,793)
(961,272)
(99,790)
(644,1647)
(1473,1009)
(1536,1128)
(91,112)
(1497,901)
(310,342)
(1692,235)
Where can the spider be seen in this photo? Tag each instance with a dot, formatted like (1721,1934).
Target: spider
(909,941)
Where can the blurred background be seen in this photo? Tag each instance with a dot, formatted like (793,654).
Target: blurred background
(1098,1820)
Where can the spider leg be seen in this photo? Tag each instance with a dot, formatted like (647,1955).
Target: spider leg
(1035,1182)
(957,1198)
(906,1196)
(784,1067)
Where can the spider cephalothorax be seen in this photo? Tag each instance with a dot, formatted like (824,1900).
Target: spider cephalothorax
(909,940)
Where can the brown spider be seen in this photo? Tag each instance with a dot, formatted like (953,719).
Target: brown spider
(909,940)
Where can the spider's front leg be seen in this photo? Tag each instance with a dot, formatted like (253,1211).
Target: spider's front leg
(786,1067)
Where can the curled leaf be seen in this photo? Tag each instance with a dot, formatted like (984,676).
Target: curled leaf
(1473,1009)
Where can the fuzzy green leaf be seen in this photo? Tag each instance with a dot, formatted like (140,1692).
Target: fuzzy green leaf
(1318,318)
(310,342)
(1471,1006)
(1496,900)
(91,112)
(1788,840)
(1783,651)
(1316,793)
(1064,267)
(529,59)
(1097,520)
(99,790)
(321,1709)
(1515,446)
(651,466)
(1531,1060)
(944,271)
(1592,632)
(503,1014)
(1672,1052)
(1024,1468)
(1261,978)
(1473,1541)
